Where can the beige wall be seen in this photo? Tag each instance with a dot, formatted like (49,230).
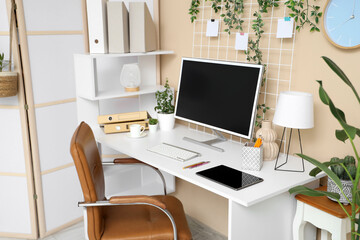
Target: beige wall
(320,142)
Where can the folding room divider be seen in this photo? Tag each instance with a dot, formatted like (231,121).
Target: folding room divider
(39,188)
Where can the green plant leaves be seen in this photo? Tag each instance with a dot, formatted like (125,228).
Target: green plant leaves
(164,100)
(317,170)
(323,168)
(350,131)
(341,135)
(313,193)
(341,74)
(301,15)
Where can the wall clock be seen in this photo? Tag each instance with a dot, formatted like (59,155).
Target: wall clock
(342,23)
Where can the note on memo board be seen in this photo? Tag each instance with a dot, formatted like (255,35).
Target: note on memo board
(285,27)
(241,41)
(212,29)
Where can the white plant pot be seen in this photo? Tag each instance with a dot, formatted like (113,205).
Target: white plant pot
(166,121)
(153,128)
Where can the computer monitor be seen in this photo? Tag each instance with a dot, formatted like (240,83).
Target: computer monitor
(220,95)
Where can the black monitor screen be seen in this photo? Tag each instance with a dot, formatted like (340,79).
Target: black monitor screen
(220,95)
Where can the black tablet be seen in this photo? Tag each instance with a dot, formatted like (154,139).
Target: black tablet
(230,177)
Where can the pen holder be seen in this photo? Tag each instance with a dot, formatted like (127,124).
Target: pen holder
(252,157)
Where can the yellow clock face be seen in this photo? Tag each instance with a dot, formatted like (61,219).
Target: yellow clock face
(342,23)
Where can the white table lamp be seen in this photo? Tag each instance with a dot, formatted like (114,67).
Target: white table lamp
(130,77)
(293,110)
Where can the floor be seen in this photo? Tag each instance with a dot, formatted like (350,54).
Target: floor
(76,232)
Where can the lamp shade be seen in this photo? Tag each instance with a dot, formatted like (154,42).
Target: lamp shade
(294,110)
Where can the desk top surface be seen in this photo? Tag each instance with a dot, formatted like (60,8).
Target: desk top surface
(275,182)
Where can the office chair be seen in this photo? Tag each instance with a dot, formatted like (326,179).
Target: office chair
(121,217)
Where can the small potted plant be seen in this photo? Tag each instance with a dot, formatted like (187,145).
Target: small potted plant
(153,123)
(345,169)
(8,79)
(165,107)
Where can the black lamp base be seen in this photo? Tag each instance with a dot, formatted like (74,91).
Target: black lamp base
(277,168)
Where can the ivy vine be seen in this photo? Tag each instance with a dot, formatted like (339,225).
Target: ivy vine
(231,17)
(265,4)
(194,9)
(254,54)
(300,12)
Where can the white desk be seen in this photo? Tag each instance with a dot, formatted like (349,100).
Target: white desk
(262,211)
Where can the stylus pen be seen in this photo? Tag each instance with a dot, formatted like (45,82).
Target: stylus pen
(196,165)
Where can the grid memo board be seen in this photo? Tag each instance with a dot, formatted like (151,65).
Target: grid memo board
(277,53)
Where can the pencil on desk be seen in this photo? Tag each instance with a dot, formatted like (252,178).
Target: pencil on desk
(196,165)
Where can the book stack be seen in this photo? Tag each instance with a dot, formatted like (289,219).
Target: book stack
(117,123)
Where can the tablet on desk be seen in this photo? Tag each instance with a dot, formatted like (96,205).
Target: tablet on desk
(230,177)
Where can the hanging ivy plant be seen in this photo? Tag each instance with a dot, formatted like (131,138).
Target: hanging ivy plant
(194,9)
(300,12)
(254,54)
(232,16)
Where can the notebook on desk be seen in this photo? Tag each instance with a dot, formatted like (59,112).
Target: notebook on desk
(230,177)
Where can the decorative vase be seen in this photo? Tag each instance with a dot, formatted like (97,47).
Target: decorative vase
(268,136)
(166,121)
(153,128)
(347,189)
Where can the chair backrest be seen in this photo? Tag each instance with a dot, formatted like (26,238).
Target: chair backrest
(90,172)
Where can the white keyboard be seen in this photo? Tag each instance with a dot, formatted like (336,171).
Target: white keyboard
(174,152)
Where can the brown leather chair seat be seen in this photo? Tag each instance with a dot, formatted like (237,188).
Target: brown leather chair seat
(145,222)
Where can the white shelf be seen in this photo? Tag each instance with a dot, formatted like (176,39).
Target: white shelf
(119,93)
(110,55)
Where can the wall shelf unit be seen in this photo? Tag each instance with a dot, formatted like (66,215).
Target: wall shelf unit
(99,92)
(120,93)
(110,55)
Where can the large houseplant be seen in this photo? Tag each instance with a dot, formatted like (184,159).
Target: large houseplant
(347,133)
(165,107)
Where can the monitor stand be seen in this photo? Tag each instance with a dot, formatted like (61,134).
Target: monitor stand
(209,143)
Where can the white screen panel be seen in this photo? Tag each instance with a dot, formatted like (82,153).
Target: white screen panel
(52,66)
(53,15)
(61,193)
(14,207)
(4,21)
(11,143)
(55,125)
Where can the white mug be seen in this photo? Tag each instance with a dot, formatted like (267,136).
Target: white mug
(136,130)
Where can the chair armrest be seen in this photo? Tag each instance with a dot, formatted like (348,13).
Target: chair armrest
(137,199)
(126,161)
